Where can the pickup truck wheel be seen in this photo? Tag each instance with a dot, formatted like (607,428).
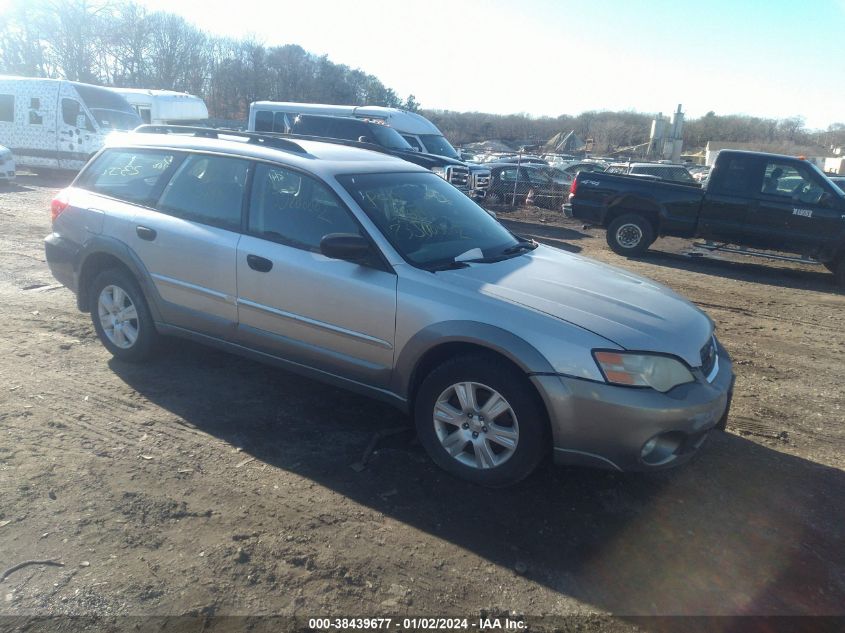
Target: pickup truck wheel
(840,273)
(479,420)
(630,235)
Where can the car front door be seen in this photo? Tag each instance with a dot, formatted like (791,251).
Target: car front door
(327,314)
(793,200)
(77,137)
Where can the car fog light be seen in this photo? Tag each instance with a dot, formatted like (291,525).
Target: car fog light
(662,449)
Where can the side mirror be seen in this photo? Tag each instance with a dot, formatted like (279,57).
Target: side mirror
(346,246)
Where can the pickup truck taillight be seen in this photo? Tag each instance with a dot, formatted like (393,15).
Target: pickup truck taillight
(574,186)
(58,204)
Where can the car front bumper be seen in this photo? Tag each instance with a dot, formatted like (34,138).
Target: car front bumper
(597,424)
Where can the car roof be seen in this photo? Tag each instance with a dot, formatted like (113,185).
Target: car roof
(320,158)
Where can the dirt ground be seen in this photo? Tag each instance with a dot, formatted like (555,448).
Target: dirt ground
(207,484)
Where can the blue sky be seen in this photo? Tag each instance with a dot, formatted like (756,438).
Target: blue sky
(773,58)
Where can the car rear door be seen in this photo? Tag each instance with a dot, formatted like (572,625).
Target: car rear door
(730,195)
(331,315)
(189,241)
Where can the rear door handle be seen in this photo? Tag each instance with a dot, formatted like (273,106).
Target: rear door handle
(146,233)
(261,264)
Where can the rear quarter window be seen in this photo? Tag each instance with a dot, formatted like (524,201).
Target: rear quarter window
(132,175)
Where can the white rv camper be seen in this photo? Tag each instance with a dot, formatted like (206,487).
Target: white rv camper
(422,134)
(164,106)
(56,123)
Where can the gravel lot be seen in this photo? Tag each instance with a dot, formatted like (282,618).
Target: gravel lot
(203,483)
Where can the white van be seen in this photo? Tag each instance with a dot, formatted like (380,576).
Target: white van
(56,123)
(162,107)
(422,134)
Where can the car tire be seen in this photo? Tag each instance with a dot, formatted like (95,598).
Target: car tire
(121,316)
(491,451)
(840,273)
(494,197)
(630,235)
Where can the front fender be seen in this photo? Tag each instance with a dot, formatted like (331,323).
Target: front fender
(490,337)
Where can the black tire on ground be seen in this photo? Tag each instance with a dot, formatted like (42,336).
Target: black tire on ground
(494,197)
(630,235)
(840,273)
(533,441)
(144,343)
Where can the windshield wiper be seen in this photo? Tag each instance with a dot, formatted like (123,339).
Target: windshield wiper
(446,266)
(527,245)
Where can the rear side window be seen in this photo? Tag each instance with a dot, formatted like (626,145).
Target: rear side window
(263,121)
(207,189)
(7,108)
(293,209)
(734,175)
(132,175)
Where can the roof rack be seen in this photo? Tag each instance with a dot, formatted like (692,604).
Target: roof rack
(255,138)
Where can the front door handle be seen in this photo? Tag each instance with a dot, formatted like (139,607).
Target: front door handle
(146,233)
(261,264)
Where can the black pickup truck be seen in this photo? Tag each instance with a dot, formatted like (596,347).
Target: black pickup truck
(753,200)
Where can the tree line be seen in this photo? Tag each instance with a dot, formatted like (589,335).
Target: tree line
(120,43)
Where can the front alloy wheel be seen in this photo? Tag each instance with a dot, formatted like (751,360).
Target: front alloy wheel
(476,425)
(480,418)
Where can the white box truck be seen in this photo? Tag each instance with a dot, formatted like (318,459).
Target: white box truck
(421,134)
(59,124)
(163,107)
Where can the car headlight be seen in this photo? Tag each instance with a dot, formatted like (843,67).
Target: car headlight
(661,373)
(440,171)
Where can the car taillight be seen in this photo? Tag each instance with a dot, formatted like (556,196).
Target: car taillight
(58,204)
(574,186)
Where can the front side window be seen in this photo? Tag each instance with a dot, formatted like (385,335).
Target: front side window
(288,207)
(71,113)
(427,220)
(7,108)
(128,174)
(790,182)
(207,189)
(413,142)
(436,144)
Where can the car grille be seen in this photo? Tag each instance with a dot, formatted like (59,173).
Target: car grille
(708,356)
(481,180)
(458,176)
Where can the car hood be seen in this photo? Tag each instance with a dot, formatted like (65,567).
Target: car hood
(631,311)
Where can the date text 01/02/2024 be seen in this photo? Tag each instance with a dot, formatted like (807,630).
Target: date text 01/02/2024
(434,624)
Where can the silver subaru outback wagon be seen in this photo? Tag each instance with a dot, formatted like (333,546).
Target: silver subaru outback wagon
(376,275)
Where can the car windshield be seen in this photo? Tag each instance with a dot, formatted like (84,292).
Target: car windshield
(428,221)
(388,137)
(436,144)
(115,120)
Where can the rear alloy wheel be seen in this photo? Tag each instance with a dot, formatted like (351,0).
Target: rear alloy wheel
(121,316)
(480,420)
(630,235)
